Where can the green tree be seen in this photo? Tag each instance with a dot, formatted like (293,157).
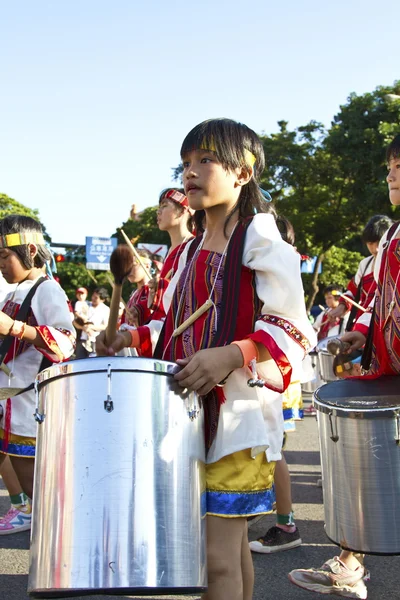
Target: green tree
(9,206)
(328,183)
(144,230)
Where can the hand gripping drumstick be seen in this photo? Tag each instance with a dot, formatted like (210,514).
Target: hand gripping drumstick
(121,263)
(137,256)
(348,299)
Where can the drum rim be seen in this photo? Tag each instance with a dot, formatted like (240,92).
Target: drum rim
(356,413)
(100,364)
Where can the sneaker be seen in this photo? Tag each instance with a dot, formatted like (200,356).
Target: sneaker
(15,520)
(332,578)
(276,540)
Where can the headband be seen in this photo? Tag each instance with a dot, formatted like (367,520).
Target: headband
(21,239)
(180,199)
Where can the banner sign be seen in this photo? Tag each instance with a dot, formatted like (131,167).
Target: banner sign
(98,252)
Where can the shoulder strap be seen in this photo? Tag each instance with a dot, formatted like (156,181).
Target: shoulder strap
(20,316)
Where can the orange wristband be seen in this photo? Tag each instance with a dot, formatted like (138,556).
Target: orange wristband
(135,338)
(248,349)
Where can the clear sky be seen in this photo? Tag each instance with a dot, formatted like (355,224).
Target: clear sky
(97,96)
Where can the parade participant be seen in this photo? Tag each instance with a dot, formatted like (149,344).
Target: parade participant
(362,287)
(96,321)
(323,324)
(343,575)
(137,310)
(176,217)
(284,535)
(46,333)
(235,324)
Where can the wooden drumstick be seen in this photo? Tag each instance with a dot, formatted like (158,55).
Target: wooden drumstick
(137,256)
(348,299)
(200,311)
(121,263)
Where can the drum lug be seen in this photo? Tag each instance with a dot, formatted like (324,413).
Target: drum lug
(334,436)
(397,438)
(108,404)
(39,417)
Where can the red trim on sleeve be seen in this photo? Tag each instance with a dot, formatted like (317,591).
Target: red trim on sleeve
(51,343)
(145,341)
(277,356)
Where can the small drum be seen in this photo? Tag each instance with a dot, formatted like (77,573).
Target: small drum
(119,484)
(325,361)
(359,430)
(309,387)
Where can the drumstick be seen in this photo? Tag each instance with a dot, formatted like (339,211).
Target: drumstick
(110,281)
(121,264)
(348,299)
(137,256)
(203,308)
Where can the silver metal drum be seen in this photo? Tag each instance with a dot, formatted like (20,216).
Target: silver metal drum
(359,430)
(119,501)
(313,384)
(325,361)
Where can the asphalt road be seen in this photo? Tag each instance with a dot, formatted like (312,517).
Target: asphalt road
(271,580)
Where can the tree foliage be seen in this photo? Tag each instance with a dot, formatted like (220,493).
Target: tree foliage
(330,182)
(145,229)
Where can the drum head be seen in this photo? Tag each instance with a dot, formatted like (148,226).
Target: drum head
(359,394)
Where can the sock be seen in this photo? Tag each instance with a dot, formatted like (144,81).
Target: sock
(18,500)
(286,522)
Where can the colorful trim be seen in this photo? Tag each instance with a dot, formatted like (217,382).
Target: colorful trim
(51,343)
(240,504)
(277,355)
(293,413)
(18,445)
(288,328)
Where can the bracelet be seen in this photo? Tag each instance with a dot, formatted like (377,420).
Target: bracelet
(248,349)
(18,329)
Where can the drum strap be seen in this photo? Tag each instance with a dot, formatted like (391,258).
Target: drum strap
(354,308)
(366,357)
(21,316)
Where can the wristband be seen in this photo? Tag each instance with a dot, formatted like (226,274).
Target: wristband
(135,338)
(248,349)
(18,329)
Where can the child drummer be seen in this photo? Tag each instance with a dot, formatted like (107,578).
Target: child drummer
(344,575)
(235,323)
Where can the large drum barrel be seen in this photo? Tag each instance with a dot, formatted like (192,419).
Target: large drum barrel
(119,484)
(359,430)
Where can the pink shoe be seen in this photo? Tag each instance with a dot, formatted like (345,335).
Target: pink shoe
(16,520)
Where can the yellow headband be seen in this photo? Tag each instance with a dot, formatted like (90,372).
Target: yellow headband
(248,156)
(21,239)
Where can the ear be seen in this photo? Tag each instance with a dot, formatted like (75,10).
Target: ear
(33,250)
(243,175)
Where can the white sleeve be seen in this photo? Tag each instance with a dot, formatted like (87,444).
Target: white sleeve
(283,326)
(53,316)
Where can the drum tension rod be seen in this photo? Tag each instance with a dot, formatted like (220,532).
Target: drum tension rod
(397,438)
(334,437)
(108,404)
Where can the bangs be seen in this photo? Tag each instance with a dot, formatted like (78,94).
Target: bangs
(393,150)
(227,139)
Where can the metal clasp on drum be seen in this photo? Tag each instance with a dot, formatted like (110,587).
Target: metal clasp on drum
(108,404)
(39,417)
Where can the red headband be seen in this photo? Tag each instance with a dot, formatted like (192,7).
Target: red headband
(179,198)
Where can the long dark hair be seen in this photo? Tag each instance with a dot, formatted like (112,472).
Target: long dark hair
(229,140)
(24,224)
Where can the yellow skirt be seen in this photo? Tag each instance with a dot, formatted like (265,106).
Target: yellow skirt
(240,486)
(292,406)
(18,445)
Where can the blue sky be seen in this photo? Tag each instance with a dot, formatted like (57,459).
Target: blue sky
(97,96)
